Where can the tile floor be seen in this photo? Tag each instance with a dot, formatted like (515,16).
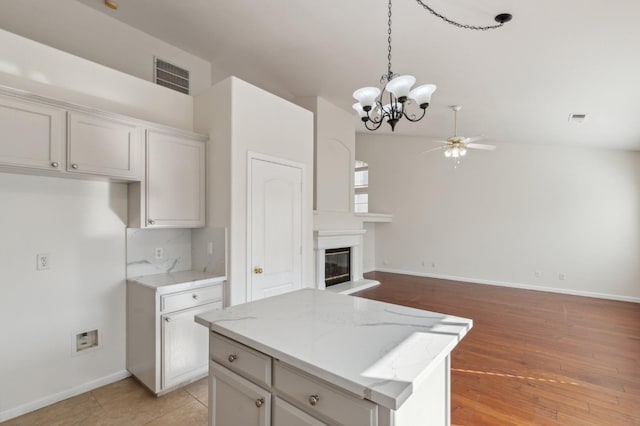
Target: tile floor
(124,403)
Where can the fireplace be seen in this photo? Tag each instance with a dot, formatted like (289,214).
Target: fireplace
(337,266)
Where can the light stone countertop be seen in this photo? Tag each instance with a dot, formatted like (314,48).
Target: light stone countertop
(378,351)
(173,280)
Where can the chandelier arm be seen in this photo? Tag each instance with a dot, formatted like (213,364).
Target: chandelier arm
(457,24)
(376,125)
(413,120)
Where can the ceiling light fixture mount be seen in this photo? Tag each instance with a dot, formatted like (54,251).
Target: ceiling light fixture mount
(372,106)
(111,4)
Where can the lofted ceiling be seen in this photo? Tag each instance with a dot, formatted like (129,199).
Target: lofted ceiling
(517,84)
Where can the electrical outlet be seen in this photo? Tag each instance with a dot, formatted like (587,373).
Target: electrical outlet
(561,276)
(423,263)
(210,248)
(385,262)
(537,274)
(43,261)
(433,264)
(159,252)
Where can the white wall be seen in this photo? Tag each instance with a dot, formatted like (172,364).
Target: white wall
(83,31)
(240,118)
(81,224)
(503,215)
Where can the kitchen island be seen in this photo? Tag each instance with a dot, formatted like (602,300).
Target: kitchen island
(313,357)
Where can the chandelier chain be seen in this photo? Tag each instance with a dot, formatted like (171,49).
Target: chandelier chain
(454,23)
(389,74)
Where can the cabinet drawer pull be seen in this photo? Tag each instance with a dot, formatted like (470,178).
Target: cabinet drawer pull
(55,164)
(259,402)
(151,221)
(168,319)
(195,296)
(313,399)
(232,357)
(74,166)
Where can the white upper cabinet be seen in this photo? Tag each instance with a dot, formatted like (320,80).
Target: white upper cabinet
(103,146)
(31,134)
(175,181)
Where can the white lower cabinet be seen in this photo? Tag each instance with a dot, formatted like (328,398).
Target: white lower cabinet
(166,348)
(184,345)
(247,387)
(234,400)
(285,414)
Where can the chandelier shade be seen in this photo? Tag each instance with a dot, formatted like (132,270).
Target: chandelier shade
(422,94)
(400,86)
(366,97)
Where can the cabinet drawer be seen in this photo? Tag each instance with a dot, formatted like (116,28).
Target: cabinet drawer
(191,298)
(285,414)
(322,399)
(248,362)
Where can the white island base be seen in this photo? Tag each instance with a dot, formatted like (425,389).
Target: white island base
(316,358)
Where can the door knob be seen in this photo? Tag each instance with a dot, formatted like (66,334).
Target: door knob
(257,270)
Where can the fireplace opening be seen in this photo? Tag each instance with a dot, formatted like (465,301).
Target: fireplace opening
(337,266)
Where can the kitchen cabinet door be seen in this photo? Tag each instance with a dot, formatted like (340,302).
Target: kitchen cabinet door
(103,146)
(236,401)
(185,345)
(175,181)
(31,134)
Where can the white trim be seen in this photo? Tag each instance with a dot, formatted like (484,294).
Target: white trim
(515,285)
(252,155)
(61,396)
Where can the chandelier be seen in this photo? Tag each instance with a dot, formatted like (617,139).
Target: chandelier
(393,102)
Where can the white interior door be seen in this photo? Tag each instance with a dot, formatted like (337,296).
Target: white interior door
(275,228)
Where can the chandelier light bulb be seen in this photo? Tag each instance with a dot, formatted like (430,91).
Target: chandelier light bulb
(463,152)
(447,153)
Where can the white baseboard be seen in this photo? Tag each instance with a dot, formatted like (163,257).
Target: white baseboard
(515,285)
(60,396)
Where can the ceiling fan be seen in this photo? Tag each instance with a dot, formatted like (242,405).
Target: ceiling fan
(456,146)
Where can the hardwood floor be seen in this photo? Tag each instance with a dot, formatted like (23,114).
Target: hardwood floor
(532,358)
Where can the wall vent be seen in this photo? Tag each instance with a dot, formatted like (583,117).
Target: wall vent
(171,76)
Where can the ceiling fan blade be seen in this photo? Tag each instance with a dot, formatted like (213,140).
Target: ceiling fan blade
(476,138)
(430,150)
(439,141)
(481,146)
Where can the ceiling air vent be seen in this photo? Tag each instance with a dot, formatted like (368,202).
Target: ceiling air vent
(171,76)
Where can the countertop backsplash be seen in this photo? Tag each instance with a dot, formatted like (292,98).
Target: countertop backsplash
(202,250)
(142,259)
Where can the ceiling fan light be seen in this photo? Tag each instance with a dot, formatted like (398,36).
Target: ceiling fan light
(366,96)
(463,152)
(447,153)
(400,86)
(422,94)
